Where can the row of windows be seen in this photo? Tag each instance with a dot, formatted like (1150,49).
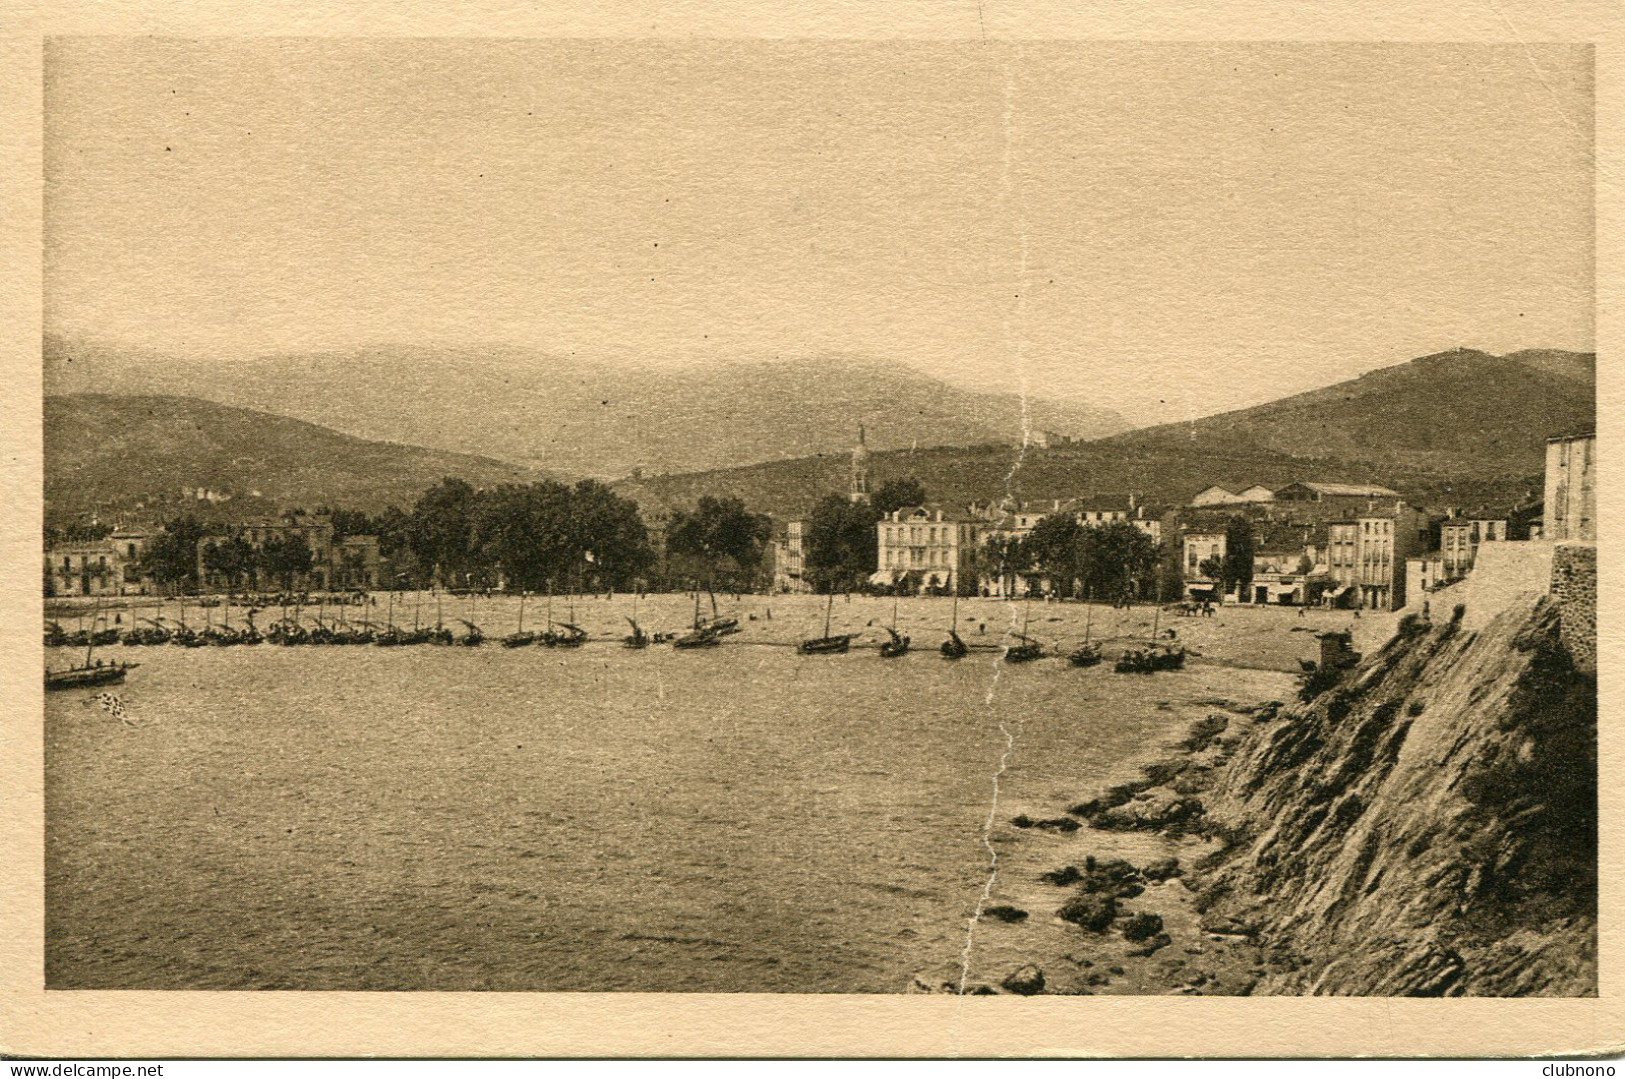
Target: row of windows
(899,556)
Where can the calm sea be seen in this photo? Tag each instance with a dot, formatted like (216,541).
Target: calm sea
(732,819)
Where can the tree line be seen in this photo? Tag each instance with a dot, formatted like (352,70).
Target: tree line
(519,536)
(1115,562)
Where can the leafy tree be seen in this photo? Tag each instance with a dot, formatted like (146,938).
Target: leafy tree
(1212,568)
(351,523)
(893,495)
(1238,553)
(841,543)
(1117,561)
(171,558)
(546,533)
(393,528)
(286,557)
(720,537)
(442,530)
(1005,557)
(612,538)
(525,529)
(1053,546)
(230,560)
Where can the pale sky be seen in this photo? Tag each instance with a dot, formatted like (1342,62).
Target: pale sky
(1168,230)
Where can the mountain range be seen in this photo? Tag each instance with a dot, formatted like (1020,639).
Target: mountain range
(104,454)
(575,418)
(1456,428)
(1461,428)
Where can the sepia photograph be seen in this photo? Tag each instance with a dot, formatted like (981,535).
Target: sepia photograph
(913,517)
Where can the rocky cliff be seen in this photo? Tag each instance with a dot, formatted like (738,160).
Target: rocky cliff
(1424,826)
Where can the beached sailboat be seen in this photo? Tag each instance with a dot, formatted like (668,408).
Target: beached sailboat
(898,645)
(828,644)
(955,647)
(716,623)
(701,636)
(1156,656)
(568,634)
(1086,654)
(1028,650)
(520,638)
(637,638)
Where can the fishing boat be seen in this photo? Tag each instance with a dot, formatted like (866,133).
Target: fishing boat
(519,638)
(1028,650)
(898,645)
(1086,654)
(827,644)
(637,638)
(716,623)
(701,636)
(90,673)
(954,647)
(567,634)
(472,637)
(1156,656)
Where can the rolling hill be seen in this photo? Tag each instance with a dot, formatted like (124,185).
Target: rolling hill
(1457,428)
(1463,413)
(108,453)
(571,417)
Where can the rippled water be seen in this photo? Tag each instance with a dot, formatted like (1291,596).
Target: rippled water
(738,818)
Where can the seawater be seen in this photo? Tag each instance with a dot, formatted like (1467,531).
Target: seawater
(731,819)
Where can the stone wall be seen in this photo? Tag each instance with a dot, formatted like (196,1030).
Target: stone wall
(1574,583)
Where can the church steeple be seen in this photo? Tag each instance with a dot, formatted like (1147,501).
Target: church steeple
(858,491)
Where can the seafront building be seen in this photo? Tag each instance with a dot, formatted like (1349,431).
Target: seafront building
(349,562)
(789,549)
(104,567)
(930,548)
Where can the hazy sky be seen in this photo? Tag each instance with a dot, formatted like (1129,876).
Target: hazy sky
(1161,229)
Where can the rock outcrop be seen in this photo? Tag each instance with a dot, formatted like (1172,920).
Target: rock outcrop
(1425,826)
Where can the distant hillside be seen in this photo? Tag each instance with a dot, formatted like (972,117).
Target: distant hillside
(1458,428)
(1167,475)
(110,452)
(1465,413)
(571,417)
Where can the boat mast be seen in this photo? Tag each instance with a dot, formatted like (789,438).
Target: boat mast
(828,610)
(521,610)
(90,639)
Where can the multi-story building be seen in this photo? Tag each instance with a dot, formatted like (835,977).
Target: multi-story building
(104,567)
(350,562)
(1423,575)
(1366,556)
(1459,539)
(1322,492)
(1199,547)
(931,548)
(790,557)
(1571,492)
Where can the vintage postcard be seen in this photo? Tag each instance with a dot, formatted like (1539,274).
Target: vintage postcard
(993,533)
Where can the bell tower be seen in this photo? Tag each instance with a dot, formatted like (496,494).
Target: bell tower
(858,490)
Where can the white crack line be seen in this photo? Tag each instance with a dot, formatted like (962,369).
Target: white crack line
(1013,337)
